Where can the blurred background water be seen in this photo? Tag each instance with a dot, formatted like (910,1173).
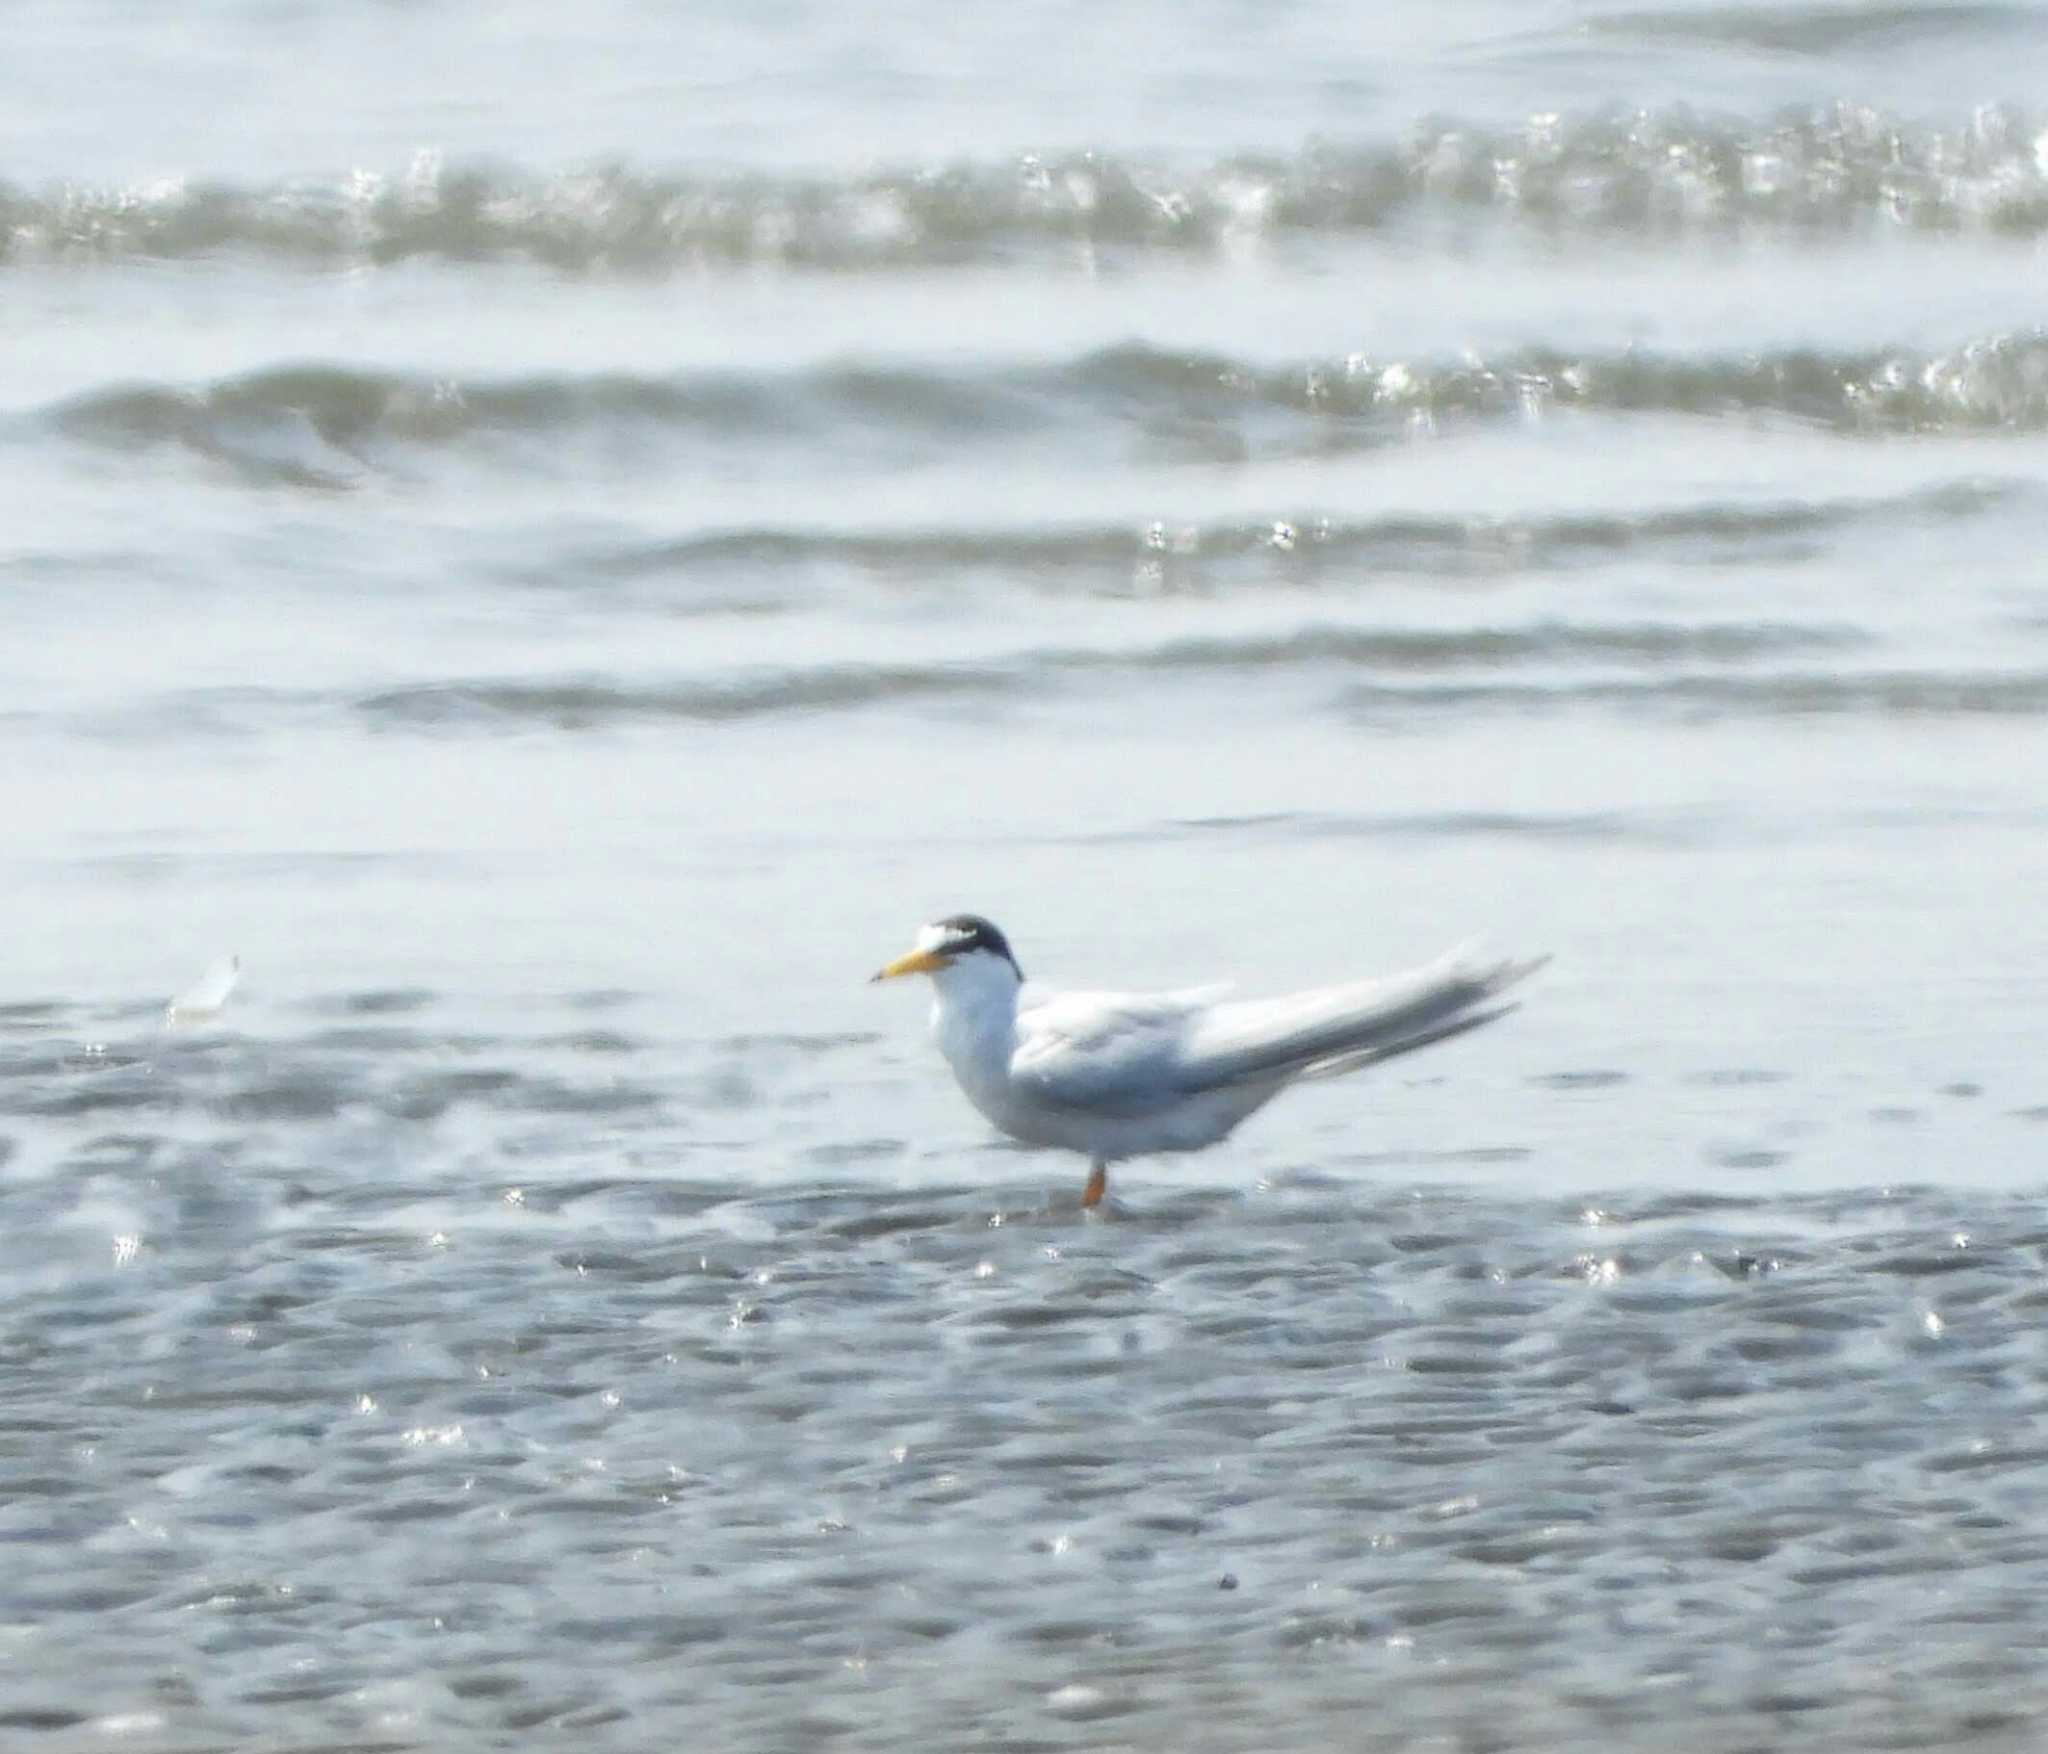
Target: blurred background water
(561,536)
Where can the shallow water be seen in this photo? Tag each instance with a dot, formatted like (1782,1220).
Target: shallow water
(409,1384)
(559,538)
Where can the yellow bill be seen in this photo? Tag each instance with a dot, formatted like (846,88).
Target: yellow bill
(917,962)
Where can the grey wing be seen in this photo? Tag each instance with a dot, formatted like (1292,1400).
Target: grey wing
(1334,1029)
(1112,1054)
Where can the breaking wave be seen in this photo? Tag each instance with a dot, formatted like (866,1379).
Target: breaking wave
(1834,168)
(330,425)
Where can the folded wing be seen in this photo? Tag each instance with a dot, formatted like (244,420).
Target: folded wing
(1130,1054)
(1110,1054)
(1336,1029)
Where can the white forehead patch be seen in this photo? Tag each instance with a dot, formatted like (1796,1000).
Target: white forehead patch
(936,938)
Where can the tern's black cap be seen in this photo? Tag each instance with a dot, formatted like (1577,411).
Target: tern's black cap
(965,932)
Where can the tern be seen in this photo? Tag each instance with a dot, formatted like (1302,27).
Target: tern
(1116,1075)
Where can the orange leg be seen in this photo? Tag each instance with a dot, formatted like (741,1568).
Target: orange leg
(1098,1185)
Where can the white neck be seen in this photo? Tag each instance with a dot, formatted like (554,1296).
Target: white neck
(974,1020)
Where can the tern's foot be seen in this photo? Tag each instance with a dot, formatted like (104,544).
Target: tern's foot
(1098,1185)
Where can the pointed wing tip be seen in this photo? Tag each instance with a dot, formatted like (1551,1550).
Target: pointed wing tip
(1492,974)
